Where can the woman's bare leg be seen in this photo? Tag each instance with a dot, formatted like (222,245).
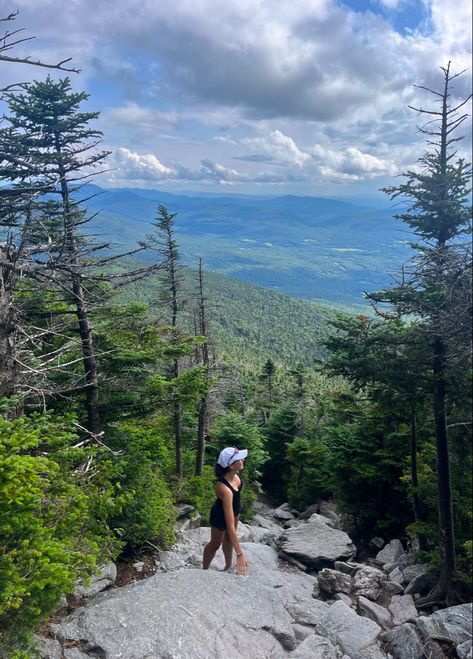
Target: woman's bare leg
(211,547)
(228,547)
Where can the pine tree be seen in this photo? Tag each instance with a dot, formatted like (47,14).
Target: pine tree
(438,288)
(57,140)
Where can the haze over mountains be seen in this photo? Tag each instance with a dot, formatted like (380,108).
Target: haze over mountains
(310,247)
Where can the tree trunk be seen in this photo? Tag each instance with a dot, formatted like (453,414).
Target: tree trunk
(201,431)
(414,476)
(444,488)
(85,332)
(89,361)
(177,422)
(7,361)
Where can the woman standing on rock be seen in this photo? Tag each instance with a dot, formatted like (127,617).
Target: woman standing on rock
(225,512)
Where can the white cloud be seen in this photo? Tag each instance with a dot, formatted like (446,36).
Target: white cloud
(278,147)
(138,166)
(206,83)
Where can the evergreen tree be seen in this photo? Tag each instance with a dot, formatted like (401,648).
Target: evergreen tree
(57,140)
(438,212)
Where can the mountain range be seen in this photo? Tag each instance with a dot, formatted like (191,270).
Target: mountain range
(309,247)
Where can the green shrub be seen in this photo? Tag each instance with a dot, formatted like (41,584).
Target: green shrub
(47,535)
(199,492)
(147,510)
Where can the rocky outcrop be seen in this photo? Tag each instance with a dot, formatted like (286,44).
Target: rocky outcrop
(316,543)
(347,610)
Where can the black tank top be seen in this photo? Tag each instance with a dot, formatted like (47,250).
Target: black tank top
(236,495)
(217,516)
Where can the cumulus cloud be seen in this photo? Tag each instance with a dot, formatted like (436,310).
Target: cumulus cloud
(278,147)
(137,166)
(206,83)
(351,164)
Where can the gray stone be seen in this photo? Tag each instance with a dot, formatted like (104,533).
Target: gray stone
(315,647)
(404,643)
(411,571)
(377,542)
(183,509)
(432,650)
(347,568)
(105,576)
(326,509)
(371,652)
(308,512)
(421,584)
(74,653)
(292,523)
(465,650)
(388,589)
(391,553)
(307,613)
(139,566)
(375,612)
(292,560)
(301,632)
(265,523)
(453,624)
(345,628)
(169,560)
(202,614)
(333,581)
(316,544)
(283,513)
(46,648)
(344,598)
(403,609)
(367,582)
(396,576)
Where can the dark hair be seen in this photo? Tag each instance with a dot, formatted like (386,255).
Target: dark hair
(220,471)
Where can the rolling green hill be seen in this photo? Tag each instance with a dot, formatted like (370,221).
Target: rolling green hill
(314,248)
(248,323)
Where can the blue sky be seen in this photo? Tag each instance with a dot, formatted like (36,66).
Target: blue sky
(255,96)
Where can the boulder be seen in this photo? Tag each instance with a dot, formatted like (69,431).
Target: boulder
(391,553)
(183,509)
(315,647)
(403,609)
(333,581)
(301,632)
(376,542)
(308,512)
(282,513)
(396,576)
(344,598)
(367,582)
(316,543)
(375,612)
(343,627)
(421,584)
(105,576)
(327,509)
(265,523)
(403,642)
(195,613)
(307,613)
(46,648)
(347,568)
(388,589)
(453,624)
(465,650)
(410,572)
(75,653)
